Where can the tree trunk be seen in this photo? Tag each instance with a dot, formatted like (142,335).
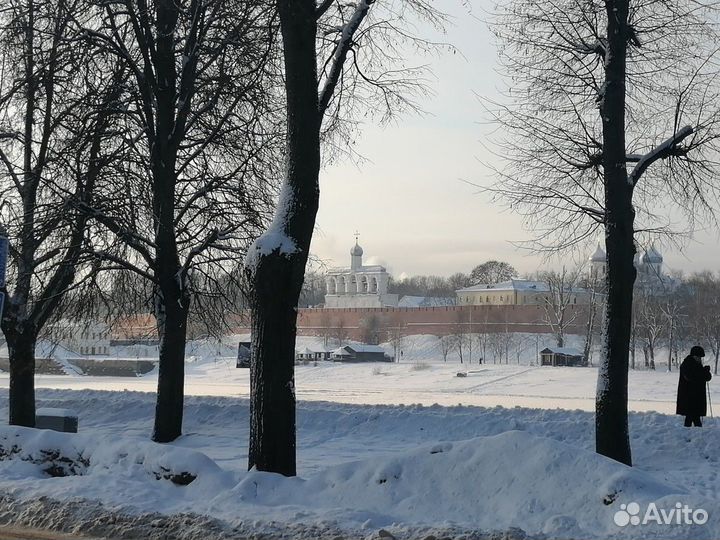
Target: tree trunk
(612,437)
(21,347)
(171,301)
(272,373)
(652,356)
(277,272)
(172,329)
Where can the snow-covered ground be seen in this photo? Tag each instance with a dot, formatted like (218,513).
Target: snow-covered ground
(518,452)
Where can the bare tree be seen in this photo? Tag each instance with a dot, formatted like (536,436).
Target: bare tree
(446,345)
(192,192)
(673,309)
(371,328)
(704,311)
(461,334)
(57,104)
(326,330)
(562,295)
(592,285)
(396,330)
(356,47)
(651,324)
(492,272)
(340,331)
(608,111)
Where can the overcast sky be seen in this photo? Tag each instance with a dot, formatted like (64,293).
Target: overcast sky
(411,201)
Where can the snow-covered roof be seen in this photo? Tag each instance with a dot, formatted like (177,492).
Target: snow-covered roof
(527,285)
(340,351)
(510,285)
(358,270)
(567,351)
(362,348)
(424,301)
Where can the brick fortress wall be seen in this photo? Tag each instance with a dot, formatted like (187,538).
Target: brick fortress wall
(352,323)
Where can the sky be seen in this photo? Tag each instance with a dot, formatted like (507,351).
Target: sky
(415,200)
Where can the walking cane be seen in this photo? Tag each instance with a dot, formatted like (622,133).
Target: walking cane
(707,383)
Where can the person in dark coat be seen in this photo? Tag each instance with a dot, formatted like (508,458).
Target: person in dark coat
(691,399)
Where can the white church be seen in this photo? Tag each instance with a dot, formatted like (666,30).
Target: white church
(358,286)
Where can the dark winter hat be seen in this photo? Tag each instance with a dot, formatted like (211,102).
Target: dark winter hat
(697,350)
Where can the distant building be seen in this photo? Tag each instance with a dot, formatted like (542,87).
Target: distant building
(515,292)
(562,356)
(651,277)
(358,286)
(360,353)
(598,264)
(315,353)
(81,337)
(138,329)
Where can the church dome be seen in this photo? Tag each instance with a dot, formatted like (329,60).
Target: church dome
(599,255)
(356,250)
(652,256)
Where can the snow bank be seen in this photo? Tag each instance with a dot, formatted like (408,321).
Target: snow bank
(514,479)
(43,454)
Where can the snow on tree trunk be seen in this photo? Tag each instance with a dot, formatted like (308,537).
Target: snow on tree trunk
(612,437)
(276,262)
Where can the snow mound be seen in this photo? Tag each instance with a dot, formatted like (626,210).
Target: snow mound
(42,454)
(514,479)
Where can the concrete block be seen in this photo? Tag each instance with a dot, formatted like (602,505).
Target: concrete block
(56,419)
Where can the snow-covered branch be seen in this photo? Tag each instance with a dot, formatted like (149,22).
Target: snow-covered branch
(598,47)
(667,148)
(340,52)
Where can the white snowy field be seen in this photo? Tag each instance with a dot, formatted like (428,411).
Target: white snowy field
(518,452)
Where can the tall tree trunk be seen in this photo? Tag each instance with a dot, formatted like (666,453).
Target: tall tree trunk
(612,437)
(21,348)
(281,253)
(172,301)
(172,329)
(272,370)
